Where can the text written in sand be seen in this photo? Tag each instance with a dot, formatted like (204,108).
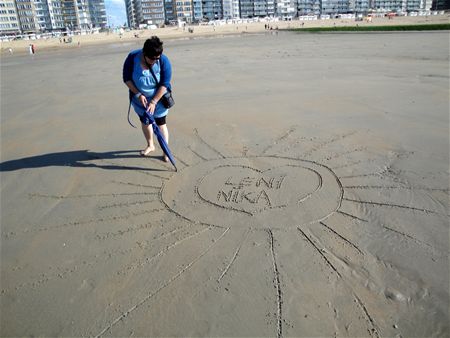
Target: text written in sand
(252,190)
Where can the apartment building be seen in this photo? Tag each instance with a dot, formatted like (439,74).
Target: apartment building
(169,11)
(37,16)
(149,12)
(308,7)
(160,11)
(212,9)
(27,16)
(9,19)
(439,5)
(231,9)
(183,10)
(131,13)
(96,11)
(398,5)
(286,9)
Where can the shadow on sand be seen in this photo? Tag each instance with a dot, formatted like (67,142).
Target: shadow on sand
(76,158)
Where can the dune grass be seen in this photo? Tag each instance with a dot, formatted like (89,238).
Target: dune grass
(427,27)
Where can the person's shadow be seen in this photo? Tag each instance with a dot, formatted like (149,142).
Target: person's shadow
(76,158)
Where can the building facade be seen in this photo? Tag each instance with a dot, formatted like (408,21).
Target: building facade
(188,11)
(39,16)
(440,5)
(148,12)
(9,19)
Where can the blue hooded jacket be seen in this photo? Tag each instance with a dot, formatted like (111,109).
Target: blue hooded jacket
(164,63)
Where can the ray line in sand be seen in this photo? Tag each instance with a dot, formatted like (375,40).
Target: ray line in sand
(147,260)
(310,241)
(78,223)
(125,167)
(333,157)
(133,228)
(137,185)
(277,286)
(177,157)
(91,195)
(374,330)
(167,283)
(417,241)
(224,272)
(351,216)
(349,164)
(343,238)
(207,144)
(184,218)
(326,143)
(152,175)
(363,175)
(127,204)
(391,205)
(63,272)
(197,154)
(394,187)
(164,235)
(278,140)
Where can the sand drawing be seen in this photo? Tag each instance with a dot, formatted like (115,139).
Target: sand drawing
(221,216)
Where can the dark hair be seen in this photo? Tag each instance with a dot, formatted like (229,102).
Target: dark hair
(153,47)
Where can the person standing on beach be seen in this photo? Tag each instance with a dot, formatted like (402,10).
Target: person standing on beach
(147,73)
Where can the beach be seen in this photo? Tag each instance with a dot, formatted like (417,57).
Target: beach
(196,31)
(311,197)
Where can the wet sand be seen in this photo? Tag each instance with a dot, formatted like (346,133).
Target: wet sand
(311,199)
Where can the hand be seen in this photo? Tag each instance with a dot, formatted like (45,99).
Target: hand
(151,107)
(143,100)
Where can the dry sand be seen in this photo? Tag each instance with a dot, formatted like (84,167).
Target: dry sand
(22,46)
(312,196)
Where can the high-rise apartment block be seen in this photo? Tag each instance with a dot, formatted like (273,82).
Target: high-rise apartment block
(146,12)
(38,16)
(169,11)
(9,20)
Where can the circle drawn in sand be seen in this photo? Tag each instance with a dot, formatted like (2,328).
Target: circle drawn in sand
(258,192)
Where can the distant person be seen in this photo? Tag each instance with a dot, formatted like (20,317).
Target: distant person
(146,91)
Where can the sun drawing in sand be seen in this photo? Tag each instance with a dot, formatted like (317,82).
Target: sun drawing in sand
(280,234)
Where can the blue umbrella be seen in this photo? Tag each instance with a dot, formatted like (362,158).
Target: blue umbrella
(161,140)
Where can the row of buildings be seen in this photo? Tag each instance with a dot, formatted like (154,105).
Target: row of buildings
(159,12)
(37,16)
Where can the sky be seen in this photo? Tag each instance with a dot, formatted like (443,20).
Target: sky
(115,12)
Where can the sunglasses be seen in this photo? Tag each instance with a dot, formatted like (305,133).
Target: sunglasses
(153,58)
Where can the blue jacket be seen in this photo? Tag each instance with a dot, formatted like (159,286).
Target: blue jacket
(164,63)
